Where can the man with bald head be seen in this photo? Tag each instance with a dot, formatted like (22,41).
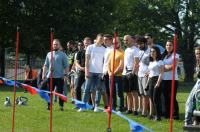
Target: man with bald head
(129,78)
(58,67)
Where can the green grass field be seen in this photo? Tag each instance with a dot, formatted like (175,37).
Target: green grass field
(35,118)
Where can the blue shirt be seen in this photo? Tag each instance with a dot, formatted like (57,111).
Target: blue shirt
(60,62)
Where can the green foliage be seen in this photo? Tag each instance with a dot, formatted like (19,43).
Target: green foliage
(79,18)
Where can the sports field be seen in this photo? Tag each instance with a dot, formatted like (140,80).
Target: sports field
(35,118)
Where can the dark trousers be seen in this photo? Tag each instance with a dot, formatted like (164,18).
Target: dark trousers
(106,81)
(59,83)
(155,95)
(31,82)
(118,92)
(167,98)
(79,82)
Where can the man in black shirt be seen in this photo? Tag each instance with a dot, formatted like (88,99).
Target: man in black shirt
(80,64)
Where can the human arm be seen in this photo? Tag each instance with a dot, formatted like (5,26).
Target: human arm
(87,59)
(136,65)
(161,70)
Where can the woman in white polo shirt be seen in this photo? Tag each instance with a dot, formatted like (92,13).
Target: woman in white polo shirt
(154,82)
(168,56)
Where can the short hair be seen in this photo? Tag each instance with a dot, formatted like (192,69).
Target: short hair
(148,34)
(141,39)
(71,42)
(88,38)
(57,40)
(108,36)
(100,35)
(197,48)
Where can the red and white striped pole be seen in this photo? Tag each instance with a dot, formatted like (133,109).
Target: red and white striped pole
(173,83)
(112,83)
(51,78)
(15,78)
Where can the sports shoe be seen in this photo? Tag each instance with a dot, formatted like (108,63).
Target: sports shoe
(151,117)
(157,118)
(81,110)
(61,109)
(48,107)
(135,113)
(129,112)
(96,109)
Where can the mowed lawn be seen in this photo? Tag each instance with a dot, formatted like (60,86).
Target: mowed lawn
(35,118)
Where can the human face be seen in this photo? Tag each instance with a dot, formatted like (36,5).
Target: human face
(197,54)
(118,43)
(169,47)
(107,41)
(140,46)
(127,41)
(149,40)
(80,46)
(56,45)
(87,42)
(99,40)
(153,53)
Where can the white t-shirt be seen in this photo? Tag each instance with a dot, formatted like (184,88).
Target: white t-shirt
(130,54)
(154,68)
(106,58)
(169,61)
(144,62)
(96,58)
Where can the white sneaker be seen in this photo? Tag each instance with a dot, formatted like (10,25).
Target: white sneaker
(81,110)
(96,109)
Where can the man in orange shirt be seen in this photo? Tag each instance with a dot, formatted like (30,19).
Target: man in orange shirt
(118,69)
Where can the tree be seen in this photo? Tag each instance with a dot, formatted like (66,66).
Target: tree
(161,17)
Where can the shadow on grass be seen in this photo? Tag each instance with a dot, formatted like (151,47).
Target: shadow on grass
(10,89)
(185,87)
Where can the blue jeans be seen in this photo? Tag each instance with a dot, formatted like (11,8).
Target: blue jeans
(189,106)
(90,85)
(101,89)
(118,92)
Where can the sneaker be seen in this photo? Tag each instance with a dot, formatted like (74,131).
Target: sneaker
(61,109)
(96,109)
(81,110)
(176,118)
(187,124)
(150,117)
(120,109)
(129,112)
(48,107)
(157,118)
(119,112)
(135,113)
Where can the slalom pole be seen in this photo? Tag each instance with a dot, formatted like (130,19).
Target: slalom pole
(173,83)
(51,78)
(112,83)
(15,78)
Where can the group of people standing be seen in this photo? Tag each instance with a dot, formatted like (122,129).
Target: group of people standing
(142,70)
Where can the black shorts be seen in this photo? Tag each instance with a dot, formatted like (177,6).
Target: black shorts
(130,83)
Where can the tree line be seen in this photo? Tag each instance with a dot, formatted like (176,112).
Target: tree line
(75,19)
